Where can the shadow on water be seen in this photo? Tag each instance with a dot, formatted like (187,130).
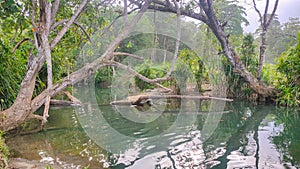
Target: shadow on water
(246,136)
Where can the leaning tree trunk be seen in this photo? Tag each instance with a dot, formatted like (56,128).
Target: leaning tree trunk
(231,55)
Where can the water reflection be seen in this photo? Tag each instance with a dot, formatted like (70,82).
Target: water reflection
(246,136)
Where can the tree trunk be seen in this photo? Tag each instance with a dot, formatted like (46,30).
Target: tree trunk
(264,23)
(262,50)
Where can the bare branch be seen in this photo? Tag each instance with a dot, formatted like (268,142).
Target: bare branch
(19,44)
(273,13)
(69,23)
(88,69)
(83,30)
(34,29)
(166,6)
(56,24)
(266,12)
(128,54)
(125,13)
(259,14)
(46,110)
(48,16)
(54,10)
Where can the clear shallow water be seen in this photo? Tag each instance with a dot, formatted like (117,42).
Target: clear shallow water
(240,136)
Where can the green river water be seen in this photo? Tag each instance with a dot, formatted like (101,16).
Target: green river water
(241,135)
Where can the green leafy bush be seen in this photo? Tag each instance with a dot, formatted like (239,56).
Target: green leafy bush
(289,83)
(104,76)
(12,69)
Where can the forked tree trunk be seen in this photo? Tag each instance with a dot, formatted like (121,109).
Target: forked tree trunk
(264,23)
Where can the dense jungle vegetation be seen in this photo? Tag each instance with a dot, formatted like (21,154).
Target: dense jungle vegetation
(18,48)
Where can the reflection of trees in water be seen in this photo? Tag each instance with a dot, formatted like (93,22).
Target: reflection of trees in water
(237,139)
(236,135)
(288,141)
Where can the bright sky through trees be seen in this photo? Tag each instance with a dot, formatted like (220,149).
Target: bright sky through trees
(285,10)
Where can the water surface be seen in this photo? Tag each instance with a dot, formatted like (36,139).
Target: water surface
(240,136)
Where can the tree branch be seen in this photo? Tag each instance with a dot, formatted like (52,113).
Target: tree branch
(273,13)
(54,10)
(266,13)
(83,30)
(48,16)
(259,14)
(56,24)
(19,44)
(128,54)
(168,7)
(69,23)
(34,29)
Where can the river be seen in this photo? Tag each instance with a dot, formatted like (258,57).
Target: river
(183,134)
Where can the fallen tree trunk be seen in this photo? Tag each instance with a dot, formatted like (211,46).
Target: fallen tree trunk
(140,99)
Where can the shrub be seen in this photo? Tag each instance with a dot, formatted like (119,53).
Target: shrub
(289,83)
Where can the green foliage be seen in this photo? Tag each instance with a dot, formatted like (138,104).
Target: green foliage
(280,37)
(285,76)
(12,69)
(248,54)
(233,15)
(188,67)
(151,71)
(289,83)
(104,75)
(8,7)
(137,42)
(194,63)
(270,75)
(4,151)
(49,167)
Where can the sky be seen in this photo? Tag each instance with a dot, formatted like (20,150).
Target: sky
(285,9)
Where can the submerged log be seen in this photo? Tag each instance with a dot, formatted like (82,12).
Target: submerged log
(141,99)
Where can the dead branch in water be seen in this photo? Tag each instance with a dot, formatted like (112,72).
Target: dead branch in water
(133,100)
